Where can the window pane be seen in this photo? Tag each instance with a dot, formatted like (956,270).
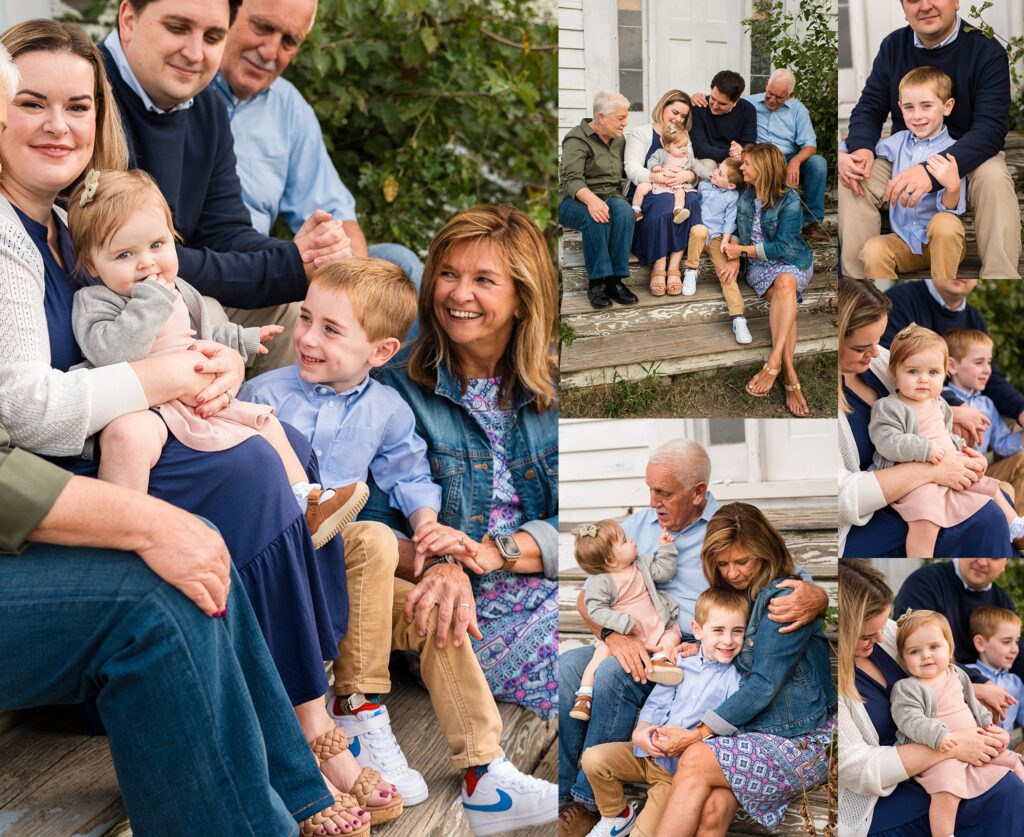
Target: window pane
(631,59)
(726,431)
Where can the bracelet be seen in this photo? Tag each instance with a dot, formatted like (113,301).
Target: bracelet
(433,562)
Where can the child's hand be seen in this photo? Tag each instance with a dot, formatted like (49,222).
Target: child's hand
(644,739)
(732,250)
(268,333)
(685,649)
(656,170)
(667,538)
(725,241)
(948,743)
(937,455)
(945,170)
(160,280)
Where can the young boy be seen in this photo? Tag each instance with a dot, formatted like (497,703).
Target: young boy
(709,677)
(995,632)
(970,367)
(718,196)
(928,234)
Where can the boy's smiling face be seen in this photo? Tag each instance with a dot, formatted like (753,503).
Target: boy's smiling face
(1000,650)
(974,369)
(721,635)
(720,178)
(923,111)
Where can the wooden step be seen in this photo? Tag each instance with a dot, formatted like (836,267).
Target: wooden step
(707,305)
(673,350)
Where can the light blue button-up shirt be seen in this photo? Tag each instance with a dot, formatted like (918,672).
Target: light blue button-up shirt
(113,43)
(949,38)
(706,685)
(283,164)
(366,428)
(1013,684)
(997,435)
(788,128)
(930,285)
(906,150)
(717,208)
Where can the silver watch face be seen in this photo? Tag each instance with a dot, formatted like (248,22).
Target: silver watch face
(507,546)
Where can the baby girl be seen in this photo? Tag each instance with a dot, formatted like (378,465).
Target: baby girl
(673,156)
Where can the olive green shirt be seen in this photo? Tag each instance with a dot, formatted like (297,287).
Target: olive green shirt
(28,489)
(589,162)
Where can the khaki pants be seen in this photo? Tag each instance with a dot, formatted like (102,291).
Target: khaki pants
(886,255)
(990,195)
(609,765)
(462,701)
(1011,470)
(696,246)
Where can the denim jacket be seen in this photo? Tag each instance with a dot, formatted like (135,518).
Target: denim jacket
(787,686)
(460,459)
(781,225)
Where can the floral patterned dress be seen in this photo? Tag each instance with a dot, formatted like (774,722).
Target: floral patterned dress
(517,614)
(761,274)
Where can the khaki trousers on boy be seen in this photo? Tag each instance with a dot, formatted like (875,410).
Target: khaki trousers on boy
(886,255)
(1011,470)
(990,195)
(696,246)
(465,709)
(609,765)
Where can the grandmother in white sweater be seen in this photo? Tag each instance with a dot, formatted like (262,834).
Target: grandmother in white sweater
(875,796)
(867,525)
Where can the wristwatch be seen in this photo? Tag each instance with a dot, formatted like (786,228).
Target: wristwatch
(509,550)
(607,632)
(433,562)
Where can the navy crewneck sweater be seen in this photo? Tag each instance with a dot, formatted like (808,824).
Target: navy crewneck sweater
(712,134)
(191,156)
(981,87)
(911,303)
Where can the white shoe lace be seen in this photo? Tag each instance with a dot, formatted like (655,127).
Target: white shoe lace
(386,751)
(508,774)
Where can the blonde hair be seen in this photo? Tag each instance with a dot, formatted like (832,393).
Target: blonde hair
(742,523)
(528,361)
(860,304)
(725,598)
(9,75)
(913,620)
(383,298)
(985,621)
(910,341)
(673,97)
(110,150)
(960,340)
(594,544)
(674,135)
(770,165)
(863,595)
(940,83)
(118,196)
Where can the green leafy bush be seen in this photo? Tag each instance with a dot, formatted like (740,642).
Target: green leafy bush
(1015,53)
(1001,303)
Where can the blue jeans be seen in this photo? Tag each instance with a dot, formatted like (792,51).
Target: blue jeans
(605,246)
(813,174)
(410,263)
(617,703)
(202,734)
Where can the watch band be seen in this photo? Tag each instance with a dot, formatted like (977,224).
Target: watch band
(510,560)
(433,562)
(606,632)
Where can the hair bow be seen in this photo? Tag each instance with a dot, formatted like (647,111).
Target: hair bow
(906,332)
(906,614)
(92,181)
(589,531)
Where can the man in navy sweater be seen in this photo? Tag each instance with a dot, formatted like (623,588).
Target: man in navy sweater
(723,123)
(160,59)
(978,66)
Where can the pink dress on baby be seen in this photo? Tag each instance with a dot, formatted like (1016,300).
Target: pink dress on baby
(634,600)
(231,426)
(952,776)
(676,166)
(941,505)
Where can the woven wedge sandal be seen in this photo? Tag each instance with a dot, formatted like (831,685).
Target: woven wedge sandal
(333,742)
(343,804)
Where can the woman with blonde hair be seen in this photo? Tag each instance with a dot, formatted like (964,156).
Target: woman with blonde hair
(875,796)
(781,719)
(769,220)
(868,526)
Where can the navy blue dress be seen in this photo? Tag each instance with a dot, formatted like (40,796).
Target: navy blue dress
(298,593)
(885,535)
(655,236)
(904,813)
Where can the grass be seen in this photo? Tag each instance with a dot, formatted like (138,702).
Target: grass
(705,395)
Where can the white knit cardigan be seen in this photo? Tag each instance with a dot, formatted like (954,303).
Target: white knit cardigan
(860,495)
(45,410)
(866,769)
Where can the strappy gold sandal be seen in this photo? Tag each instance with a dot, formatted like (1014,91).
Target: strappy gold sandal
(774,373)
(343,804)
(333,742)
(796,388)
(657,285)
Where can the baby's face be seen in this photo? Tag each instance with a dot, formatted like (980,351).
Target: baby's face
(624,553)
(1000,650)
(141,247)
(926,653)
(921,375)
(721,635)
(922,110)
(677,150)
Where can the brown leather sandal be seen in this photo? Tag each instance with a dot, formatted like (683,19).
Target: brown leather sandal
(343,804)
(790,388)
(657,285)
(333,742)
(675,283)
(772,373)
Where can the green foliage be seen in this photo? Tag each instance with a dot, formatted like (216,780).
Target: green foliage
(1014,52)
(807,43)
(1001,303)
(1012,581)
(632,398)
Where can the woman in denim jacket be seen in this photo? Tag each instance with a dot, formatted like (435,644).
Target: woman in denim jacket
(480,381)
(770,739)
(768,224)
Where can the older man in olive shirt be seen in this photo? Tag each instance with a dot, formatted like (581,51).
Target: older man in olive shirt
(590,187)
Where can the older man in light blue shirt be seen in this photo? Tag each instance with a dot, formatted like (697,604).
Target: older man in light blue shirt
(785,123)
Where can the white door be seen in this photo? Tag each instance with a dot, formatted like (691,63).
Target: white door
(691,40)
(807,450)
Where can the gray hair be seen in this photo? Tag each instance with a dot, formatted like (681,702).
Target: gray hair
(687,459)
(9,75)
(608,101)
(783,76)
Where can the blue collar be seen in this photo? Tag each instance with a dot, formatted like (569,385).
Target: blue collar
(956,569)
(952,37)
(220,84)
(935,295)
(963,394)
(326,390)
(113,43)
(987,670)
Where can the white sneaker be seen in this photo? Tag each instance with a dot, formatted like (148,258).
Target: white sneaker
(740,330)
(503,799)
(374,745)
(689,281)
(616,826)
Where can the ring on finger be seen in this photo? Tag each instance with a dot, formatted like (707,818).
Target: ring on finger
(230,397)
(463,604)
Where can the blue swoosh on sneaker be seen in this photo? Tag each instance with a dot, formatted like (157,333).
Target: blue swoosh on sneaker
(616,831)
(353,747)
(504,803)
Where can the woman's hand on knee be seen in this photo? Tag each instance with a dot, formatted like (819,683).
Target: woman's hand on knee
(228,369)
